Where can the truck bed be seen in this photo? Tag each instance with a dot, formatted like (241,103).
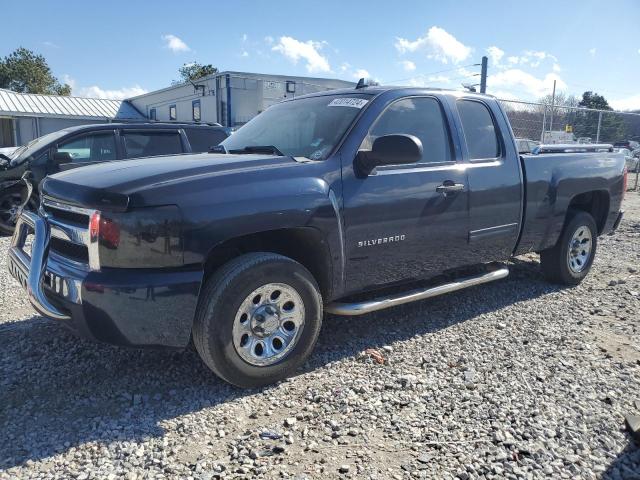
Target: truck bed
(553,181)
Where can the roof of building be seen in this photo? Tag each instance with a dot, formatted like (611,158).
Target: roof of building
(29,104)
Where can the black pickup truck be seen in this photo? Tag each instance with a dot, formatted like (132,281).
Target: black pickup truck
(344,202)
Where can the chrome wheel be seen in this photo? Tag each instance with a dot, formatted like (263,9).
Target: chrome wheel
(268,324)
(580,247)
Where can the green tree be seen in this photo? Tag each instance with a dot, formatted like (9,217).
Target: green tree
(27,72)
(612,126)
(190,72)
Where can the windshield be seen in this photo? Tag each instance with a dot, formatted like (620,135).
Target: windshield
(22,153)
(309,127)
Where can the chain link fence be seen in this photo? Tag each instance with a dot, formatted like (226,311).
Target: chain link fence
(562,124)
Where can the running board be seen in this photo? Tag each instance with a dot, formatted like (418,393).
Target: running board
(496,273)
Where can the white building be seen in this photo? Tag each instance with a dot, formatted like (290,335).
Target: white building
(228,98)
(25,116)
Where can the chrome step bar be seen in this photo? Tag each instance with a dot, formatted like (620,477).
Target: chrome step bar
(496,272)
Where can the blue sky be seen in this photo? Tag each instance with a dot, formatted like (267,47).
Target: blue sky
(132,47)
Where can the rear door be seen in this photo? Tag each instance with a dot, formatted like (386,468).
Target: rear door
(148,143)
(400,224)
(494,178)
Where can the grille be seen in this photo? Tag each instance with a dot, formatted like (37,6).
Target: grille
(73,251)
(65,215)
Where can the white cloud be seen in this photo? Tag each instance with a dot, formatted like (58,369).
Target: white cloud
(428,81)
(345,66)
(439,44)
(408,65)
(308,51)
(175,44)
(522,82)
(592,52)
(534,58)
(495,54)
(269,40)
(628,103)
(245,37)
(556,67)
(50,44)
(361,73)
(69,80)
(95,91)
(244,54)
(514,60)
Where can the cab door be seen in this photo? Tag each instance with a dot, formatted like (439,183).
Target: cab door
(494,180)
(406,222)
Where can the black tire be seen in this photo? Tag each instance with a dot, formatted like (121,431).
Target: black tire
(555,261)
(11,198)
(220,301)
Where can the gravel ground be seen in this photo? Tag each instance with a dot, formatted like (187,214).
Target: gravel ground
(515,379)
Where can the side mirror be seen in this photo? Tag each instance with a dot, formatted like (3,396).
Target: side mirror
(60,158)
(397,149)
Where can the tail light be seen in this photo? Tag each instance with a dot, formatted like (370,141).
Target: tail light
(104,230)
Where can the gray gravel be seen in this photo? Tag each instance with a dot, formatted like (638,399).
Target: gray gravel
(516,379)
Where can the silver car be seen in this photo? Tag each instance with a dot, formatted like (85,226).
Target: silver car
(632,162)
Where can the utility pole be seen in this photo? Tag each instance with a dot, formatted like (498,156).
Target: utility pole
(553,103)
(483,75)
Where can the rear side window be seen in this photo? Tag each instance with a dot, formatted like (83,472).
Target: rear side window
(148,144)
(479,130)
(421,117)
(201,139)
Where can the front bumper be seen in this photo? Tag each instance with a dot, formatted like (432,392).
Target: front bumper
(133,307)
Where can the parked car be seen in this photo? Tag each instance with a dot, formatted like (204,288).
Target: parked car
(526,146)
(632,162)
(88,144)
(628,144)
(342,202)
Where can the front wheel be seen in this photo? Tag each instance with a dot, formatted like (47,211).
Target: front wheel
(258,319)
(570,260)
(10,201)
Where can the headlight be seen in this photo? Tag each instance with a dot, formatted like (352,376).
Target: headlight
(149,237)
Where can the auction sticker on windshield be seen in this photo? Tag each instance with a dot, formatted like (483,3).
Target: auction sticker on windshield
(348,102)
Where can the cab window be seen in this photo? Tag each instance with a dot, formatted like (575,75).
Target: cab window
(479,130)
(419,116)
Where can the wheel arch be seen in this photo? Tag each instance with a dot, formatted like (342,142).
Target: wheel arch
(305,245)
(595,202)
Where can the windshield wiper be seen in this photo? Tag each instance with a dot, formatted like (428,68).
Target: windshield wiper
(259,149)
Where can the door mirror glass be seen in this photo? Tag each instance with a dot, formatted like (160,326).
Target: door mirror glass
(396,149)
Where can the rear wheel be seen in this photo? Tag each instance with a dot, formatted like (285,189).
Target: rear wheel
(570,260)
(258,319)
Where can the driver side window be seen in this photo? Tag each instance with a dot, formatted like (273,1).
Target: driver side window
(419,116)
(95,147)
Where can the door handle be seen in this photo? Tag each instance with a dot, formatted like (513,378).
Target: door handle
(450,187)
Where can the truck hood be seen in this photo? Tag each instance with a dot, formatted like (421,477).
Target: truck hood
(110,185)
